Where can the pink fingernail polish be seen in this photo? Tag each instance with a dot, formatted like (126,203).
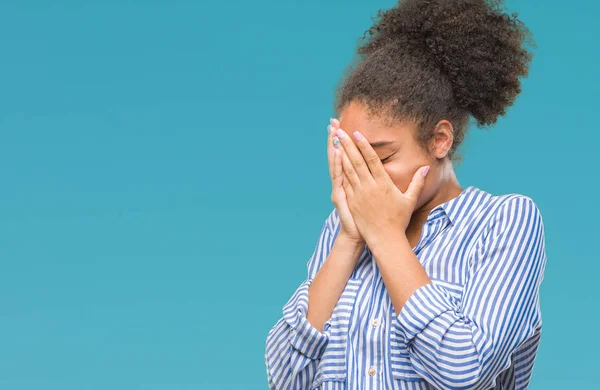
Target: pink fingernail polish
(425,170)
(340,133)
(357,136)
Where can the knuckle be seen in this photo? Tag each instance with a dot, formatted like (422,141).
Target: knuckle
(373,160)
(358,162)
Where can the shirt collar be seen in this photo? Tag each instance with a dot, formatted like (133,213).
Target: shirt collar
(451,208)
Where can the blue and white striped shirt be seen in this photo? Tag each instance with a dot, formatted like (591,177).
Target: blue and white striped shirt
(476,326)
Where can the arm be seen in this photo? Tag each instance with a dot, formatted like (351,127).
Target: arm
(467,345)
(329,283)
(297,341)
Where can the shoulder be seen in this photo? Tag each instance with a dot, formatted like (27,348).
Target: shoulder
(499,219)
(515,207)
(505,206)
(511,218)
(511,230)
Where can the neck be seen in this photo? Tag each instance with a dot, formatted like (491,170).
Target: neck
(449,188)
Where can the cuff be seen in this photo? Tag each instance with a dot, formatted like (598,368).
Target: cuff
(303,336)
(425,304)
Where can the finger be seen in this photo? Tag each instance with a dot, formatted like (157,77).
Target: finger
(416,184)
(338,173)
(334,122)
(341,181)
(349,172)
(371,158)
(347,187)
(360,168)
(330,154)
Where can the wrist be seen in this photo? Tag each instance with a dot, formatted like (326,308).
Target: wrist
(348,241)
(348,247)
(379,242)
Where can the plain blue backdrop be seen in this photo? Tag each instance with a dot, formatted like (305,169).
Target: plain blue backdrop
(164,181)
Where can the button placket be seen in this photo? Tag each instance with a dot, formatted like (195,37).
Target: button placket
(430,231)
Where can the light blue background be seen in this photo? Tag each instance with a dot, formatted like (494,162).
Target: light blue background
(164,181)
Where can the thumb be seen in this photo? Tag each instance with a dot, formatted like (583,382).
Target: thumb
(417,183)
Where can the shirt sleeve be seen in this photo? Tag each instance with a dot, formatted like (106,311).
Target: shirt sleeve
(467,344)
(294,346)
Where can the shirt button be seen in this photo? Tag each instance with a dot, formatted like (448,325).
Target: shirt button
(375,321)
(372,371)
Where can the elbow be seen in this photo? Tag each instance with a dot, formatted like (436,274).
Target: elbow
(474,376)
(273,356)
(278,358)
(464,381)
(458,365)
(272,382)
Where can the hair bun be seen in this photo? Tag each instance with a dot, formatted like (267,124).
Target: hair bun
(474,43)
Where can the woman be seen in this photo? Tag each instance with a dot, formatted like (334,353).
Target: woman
(415,281)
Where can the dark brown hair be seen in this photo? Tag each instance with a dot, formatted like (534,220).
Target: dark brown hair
(428,60)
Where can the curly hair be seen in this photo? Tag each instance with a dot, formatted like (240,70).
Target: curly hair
(428,60)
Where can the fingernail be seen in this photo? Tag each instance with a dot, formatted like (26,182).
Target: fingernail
(331,121)
(357,136)
(340,133)
(336,142)
(329,129)
(425,170)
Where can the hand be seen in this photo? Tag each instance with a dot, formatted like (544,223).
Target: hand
(338,195)
(376,204)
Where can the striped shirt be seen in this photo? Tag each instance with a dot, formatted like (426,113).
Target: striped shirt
(476,326)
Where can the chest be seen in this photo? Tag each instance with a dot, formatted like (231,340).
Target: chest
(365,343)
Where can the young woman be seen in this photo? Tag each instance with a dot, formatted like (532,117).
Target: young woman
(416,282)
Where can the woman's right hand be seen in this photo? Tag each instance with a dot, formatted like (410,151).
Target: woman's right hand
(338,195)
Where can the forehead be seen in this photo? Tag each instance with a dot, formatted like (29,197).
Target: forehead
(377,129)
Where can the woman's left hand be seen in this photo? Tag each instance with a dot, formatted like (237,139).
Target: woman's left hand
(378,207)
